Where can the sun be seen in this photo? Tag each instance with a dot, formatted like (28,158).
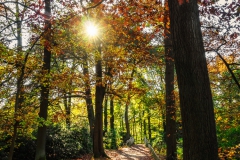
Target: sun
(91,29)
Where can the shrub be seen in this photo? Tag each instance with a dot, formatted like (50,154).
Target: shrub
(60,144)
(25,148)
(65,144)
(229,137)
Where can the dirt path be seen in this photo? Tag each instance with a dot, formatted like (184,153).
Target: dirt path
(135,152)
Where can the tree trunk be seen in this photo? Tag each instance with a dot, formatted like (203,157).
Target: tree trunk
(68,111)
(149,127)
(128,134)
(111,114)
(67,105)
(199,130)
(113,133)
(141,125)
(164,123)
(19,94)
(98,149)
(88,95)
(105,115)
(170,99)
(44,100)
(134,128)
(144,126)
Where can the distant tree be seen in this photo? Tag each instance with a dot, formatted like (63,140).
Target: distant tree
(127,104)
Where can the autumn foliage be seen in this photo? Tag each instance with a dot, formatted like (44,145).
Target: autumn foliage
(130,49)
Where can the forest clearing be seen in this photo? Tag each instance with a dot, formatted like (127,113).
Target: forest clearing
(99,78)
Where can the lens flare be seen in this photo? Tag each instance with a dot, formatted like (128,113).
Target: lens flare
(91,29)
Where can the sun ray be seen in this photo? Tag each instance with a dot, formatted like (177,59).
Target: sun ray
(91,29)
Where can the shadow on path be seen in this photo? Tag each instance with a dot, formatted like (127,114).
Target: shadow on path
(135,152)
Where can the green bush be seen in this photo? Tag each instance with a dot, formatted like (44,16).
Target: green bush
(60,144)
(25,149)
(110,140)
(65,144)
(229,138)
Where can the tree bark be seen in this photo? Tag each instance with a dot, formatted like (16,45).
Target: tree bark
(149,127)
(144,126)
(20,91)
(112,128)
(67,105)
(68,111)
(111,114)
(169,87)
(128,134)
(88,94)
(105,115)
(199,130)
(134,128)
(44,99)
(141,128)
(98,149)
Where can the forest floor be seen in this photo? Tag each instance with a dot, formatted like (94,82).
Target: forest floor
(135,152)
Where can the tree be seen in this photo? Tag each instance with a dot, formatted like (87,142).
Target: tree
(105,109)
(20,90)
(128,100)
(88,94)
(199,130)
(13,22)
(98,149)
(220,28)
(170,134)
(220,33)
(112,128)
(44,101)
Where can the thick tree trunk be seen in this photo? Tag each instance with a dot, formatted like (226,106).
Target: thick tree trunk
(170,99)
(44,100)
(199,130)
(88,94)
(98,149)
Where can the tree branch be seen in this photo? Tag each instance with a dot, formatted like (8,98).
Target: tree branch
(229,69)
(94,6)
